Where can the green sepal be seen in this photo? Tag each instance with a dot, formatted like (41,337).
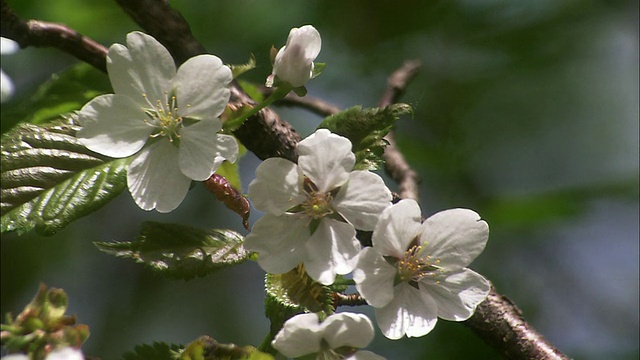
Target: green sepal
(238,70)
(180,251)
(156,351)
(206,348)
(366,128)
(301,91)
(49,179)
(318,68)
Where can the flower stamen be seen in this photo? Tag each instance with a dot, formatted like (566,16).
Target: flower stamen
(165,116)
(318,204)
(414,266)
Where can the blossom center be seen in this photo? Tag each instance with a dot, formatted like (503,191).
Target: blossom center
(317,204)
(165,116)
(413,266)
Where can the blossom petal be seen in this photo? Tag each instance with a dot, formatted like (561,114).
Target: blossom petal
(276,186)
(326,159)
(202,84)
(294,61)
(226,149)
(155,179)
(458,294)
(332,249)
(113,125)
(6,86)
(374,277)
(455,237)
(411,312)
(199,148)
(364,355)
(144,66)
(398,225)
(348,329)
(68,353)
(362,199)
(308,37)
(300,335)
(279,242)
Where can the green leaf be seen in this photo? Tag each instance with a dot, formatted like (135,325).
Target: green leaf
(290,294)
(238,70)
(181,251)
(49,179)
(65,92)
(207,348)
(366,129)
(296,288)
(156,351)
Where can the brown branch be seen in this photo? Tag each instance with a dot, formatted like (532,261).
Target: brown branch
(395,164)
(45,34)
(499,323)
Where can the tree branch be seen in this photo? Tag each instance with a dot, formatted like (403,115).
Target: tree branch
(497,320)
(45,34)
(499,323)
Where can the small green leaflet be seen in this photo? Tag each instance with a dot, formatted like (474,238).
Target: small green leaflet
(180,251)
(156,351)
(296,288)
(207,348)
(49,179)
(238,70)
(366,129)
(289,294)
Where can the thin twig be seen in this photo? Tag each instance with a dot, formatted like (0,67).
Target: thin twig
(395,164)
(45,34)
(310,103)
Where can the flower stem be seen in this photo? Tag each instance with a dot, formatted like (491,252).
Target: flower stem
(279,93)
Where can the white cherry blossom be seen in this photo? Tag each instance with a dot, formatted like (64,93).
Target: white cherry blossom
(294,61)
(173,112)
(313,208)
(339,336)
(7,46)
(415,272)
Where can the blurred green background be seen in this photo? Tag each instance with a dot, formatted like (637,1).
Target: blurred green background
(525,111)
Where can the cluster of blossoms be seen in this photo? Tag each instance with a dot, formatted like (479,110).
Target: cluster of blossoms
(414,272)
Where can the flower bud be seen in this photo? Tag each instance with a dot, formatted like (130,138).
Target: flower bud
(294,61)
